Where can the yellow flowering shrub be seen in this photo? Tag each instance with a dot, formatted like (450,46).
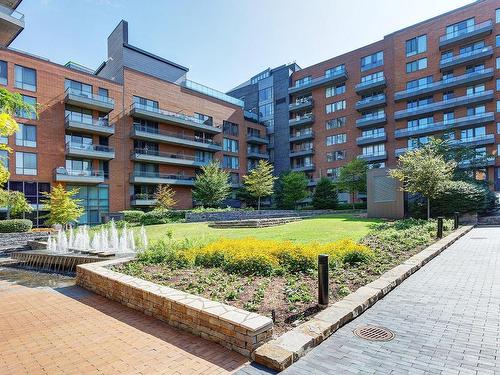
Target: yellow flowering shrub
(263,257)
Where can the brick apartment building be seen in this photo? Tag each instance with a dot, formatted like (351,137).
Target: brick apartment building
(137,121)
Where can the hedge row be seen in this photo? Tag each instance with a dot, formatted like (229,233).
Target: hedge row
(15,226)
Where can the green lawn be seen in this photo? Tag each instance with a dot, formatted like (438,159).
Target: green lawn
(324,228)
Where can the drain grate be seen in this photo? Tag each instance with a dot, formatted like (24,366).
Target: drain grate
(374,333)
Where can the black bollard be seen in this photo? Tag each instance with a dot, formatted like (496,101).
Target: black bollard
(323,283)
(440,227)
(455,220)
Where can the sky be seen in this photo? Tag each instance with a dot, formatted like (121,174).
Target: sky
(222,42)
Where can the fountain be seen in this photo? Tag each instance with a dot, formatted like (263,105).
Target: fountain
(66,249)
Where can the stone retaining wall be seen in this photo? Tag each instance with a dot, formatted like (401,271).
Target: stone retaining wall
(236,329)
(12,240)
(193,217)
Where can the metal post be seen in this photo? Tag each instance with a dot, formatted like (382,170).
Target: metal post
(440,227)
(455,220)
(323,282)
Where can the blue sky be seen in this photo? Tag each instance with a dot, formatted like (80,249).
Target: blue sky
(222,42)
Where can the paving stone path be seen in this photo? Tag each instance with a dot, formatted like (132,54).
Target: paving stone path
(446,320)
(72,331)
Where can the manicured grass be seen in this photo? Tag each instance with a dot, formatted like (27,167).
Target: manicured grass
(325,228)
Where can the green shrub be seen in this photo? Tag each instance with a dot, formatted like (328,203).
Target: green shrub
(348,206)
(164,252)
(325,195)
(463,197)
(132,216)
(15,226)
(156,216)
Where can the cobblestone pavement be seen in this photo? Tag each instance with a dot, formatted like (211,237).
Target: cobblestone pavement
(72,331)
(446,320)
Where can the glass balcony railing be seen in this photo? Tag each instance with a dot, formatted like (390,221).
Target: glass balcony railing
(12,13)
(143,151)
(370,137)
(78,118)
(465,31)
(89,95)
(88,147)
(166,176)
(180,136)
(466,56)
(319,80)
(370,82)
(486,138)
(78,172)
(211,92)
(371,100)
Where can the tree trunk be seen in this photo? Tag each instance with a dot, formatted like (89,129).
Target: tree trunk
(258,204)
(352,199)
(428,208)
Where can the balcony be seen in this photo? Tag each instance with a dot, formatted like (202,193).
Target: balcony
(153,178)
(471,78)
(466,58)
(402,150)
(78,150)
(369,139)
(375,84)
(466,100)
(161,115)
(435,127)
(251,116)
(370,120)
(479,140)
(153,156)
(371,102)
(470,33)
(149,134)
(301,152)
(339,76)
(88,100)
(301,120)
(381,156)
(257,155)
(62,174)
(142,200)
(205,90)
(257,139)
(11,24)
(477,162)
(93,126)
(304,168)
(305,103)
(302,136)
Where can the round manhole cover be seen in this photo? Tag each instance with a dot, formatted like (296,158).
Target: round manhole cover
(374,333)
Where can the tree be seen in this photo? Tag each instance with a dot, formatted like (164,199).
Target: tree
(15,202)
(211,186)
(10,104)
(352,178)
(325,195)
(63,208)
(423,171)
(294,189)
(164,196)
(259,182)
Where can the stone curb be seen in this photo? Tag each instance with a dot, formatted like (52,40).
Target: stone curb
(281,352)
(233,328)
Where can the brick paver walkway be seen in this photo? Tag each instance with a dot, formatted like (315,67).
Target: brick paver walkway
(446,318)
(72,331)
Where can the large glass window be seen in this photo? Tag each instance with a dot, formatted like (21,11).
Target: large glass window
(416,65)
(266,94)
(303,81)
(332,71)
(497,41)
(143,102)
(416,45)
(230,128)
(3,72)
(207,120)
(26,136)
(26,163)
(372,61)
(375,77)
(498,62)
(94,200)
(231,162)
(335,155)
(25,114)
(337,106)
(335,90)
(374,150)
(25,78)
(336,139)
(266,110)
(78,114)
(81,88)
(459,28)
(336,122)
(419,83)
(497,12)
(4,158)
(230,145)
(78,165)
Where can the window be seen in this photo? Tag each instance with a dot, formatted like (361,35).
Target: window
(498,63)
(335,90)
(26,163)
(24,114)
(498,84)
(336,139)
(143,102)
(79,87)
(103,92)
(471,90)
(498,128)
(335,155)
(474,68)
(78,114)
(372,61)
(373,133)
(417,142)
(447,95)
(229,128)
(333,172)
(260,76)
(82,165)
(25,78)
(420,123)
(337,106)
(472,134)
(266,94)
(266,110)
(472,47)
(374,77)
(3,72)
(416,65)
(336,123)
(419,102)
(419,83)
(472,111)
(331,72)
(416,45)
(374,150)
(95,201)
(497,12)
(26,136)
(231,162)
(497,41)
(4,158)
(303,81)
(230,145)
(448,117)
(459,28)
(498,106)
(203,156)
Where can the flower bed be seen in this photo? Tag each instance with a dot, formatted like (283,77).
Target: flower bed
(278,278)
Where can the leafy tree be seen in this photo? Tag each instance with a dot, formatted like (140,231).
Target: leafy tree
(325,195)
(211,187)
(294,189)
(10,103)
(423,171)
(15,202)
(164,196)
(259,182)
(63,208)
(352,178)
